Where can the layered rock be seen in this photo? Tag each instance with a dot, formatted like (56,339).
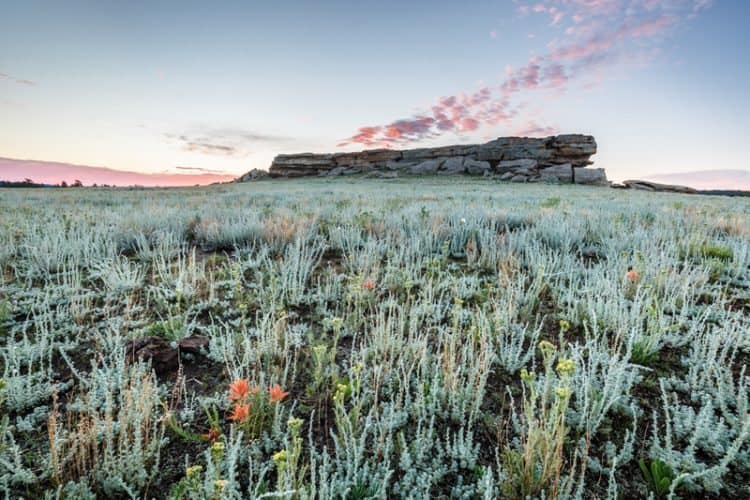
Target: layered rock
(655,186)
(559,159)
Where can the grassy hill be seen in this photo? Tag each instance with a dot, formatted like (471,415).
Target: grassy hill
(374,339)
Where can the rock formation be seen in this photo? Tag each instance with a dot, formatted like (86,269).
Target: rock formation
(557,159)
(655,186)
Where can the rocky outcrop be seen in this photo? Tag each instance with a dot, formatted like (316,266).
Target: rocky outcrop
(655,186)
(255,174)
(555,159)
(590,176)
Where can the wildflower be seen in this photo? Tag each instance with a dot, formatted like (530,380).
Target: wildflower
(217,451)
(546,347)
(463,221)
(212,435)
(276,394)
(632,275)
(527,376)
(239,389)
(564,325)
(241,413)
(193,471)
(342,390)
(562,392)
(294,424)
(220,484)
(565,366)
(280,457)
(368,285)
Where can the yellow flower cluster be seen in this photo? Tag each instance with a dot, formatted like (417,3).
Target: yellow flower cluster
(193,471)
(546,347)
(280,457)
(565,366)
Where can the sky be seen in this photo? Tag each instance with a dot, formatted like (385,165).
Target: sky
(221,87)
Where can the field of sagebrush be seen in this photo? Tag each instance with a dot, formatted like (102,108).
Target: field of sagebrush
(368,339)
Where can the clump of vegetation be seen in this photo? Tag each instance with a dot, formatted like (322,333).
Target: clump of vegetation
(658,476)
(716,252)
(317,338)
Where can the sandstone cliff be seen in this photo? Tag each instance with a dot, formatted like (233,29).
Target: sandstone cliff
(561,159)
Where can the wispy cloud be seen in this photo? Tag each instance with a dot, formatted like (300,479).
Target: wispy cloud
(20,81)
(588,36)
(533,129)
(200,169)
(223,141)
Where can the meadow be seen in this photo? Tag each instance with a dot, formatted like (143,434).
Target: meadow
(351,338)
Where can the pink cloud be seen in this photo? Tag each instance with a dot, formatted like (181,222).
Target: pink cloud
(595,34)
(46,172)
(532,129)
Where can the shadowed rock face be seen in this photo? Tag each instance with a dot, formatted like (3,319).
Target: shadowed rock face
(560,159)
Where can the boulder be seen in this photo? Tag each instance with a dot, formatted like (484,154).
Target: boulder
(590,176)
(452,166)
(426,167)
(519,178)
(476,167)
(562,174)
(253,175)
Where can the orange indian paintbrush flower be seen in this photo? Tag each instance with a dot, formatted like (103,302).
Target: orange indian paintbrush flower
(241,412)
(633,276)
(276,394)
(239,389)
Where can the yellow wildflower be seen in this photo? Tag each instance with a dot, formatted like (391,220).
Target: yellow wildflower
(280,457)
(562,392)
(546,347)
(193,471)
(565,366)
(294,424)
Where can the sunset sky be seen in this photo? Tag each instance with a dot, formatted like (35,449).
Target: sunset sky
(221,87)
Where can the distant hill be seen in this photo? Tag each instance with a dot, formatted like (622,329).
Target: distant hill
(48,172)
(737,180)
